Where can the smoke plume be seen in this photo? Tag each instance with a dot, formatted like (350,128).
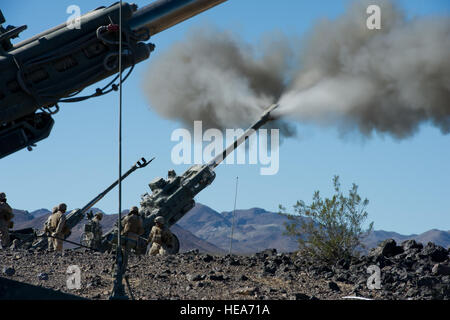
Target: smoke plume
(387,81)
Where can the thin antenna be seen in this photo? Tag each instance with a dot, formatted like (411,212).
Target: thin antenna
(119,240)
(234,212)
(118,289)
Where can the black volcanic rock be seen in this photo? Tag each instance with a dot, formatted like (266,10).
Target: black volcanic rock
(441,269)
(8,271)
(411,244)
(302,296)
(438,237)
(387,248)
(333,286)
(427,281)
(270,269)
(195,275)
(436,253)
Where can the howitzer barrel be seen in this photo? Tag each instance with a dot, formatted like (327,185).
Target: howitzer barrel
(163,14)
(76,216)
(266,117)
(174,197)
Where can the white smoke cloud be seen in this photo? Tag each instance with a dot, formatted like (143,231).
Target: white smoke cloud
(387,81)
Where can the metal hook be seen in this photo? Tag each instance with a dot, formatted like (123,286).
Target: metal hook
(143,163)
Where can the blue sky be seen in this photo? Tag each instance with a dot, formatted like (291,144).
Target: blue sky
(407,182)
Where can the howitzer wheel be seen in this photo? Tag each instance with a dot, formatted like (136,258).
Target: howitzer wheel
(175,245)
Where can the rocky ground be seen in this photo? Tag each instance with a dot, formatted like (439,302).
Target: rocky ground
(409,271)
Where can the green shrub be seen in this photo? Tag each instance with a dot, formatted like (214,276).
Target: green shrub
(329,229)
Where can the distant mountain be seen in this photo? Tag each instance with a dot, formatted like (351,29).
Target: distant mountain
(254,229)
(376,236)
(439,237)
(210,231)
(21,216)
(23,219)
(188,241)
(40,213)
(257,229)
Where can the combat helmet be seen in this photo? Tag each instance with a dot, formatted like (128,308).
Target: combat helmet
(134,210)
(62,207)
(159,219)
(99,214)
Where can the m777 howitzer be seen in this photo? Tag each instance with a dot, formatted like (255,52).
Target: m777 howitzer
(75,216)
(174,197)
(56,65)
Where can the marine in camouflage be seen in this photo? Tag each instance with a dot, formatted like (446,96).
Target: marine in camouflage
(6,215)
(160,238)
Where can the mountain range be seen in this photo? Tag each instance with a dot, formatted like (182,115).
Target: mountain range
(210,231)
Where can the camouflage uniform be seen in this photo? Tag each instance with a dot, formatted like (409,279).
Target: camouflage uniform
(56,225)
(6,215)
(97,229)
(133,227)
(160,238)
(47,229)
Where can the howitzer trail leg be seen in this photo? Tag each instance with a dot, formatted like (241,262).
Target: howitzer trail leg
(42,242)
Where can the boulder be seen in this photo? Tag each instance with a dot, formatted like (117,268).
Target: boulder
(301,296)
(411,244)
(208,258)
(266,254)
(243,278)
(435,252)
(427,281)
(333,286)
(217,277)
(387,248)
(441,269)
(8,271)
(270,269)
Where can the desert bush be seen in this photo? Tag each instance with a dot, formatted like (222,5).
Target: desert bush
(329,229)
